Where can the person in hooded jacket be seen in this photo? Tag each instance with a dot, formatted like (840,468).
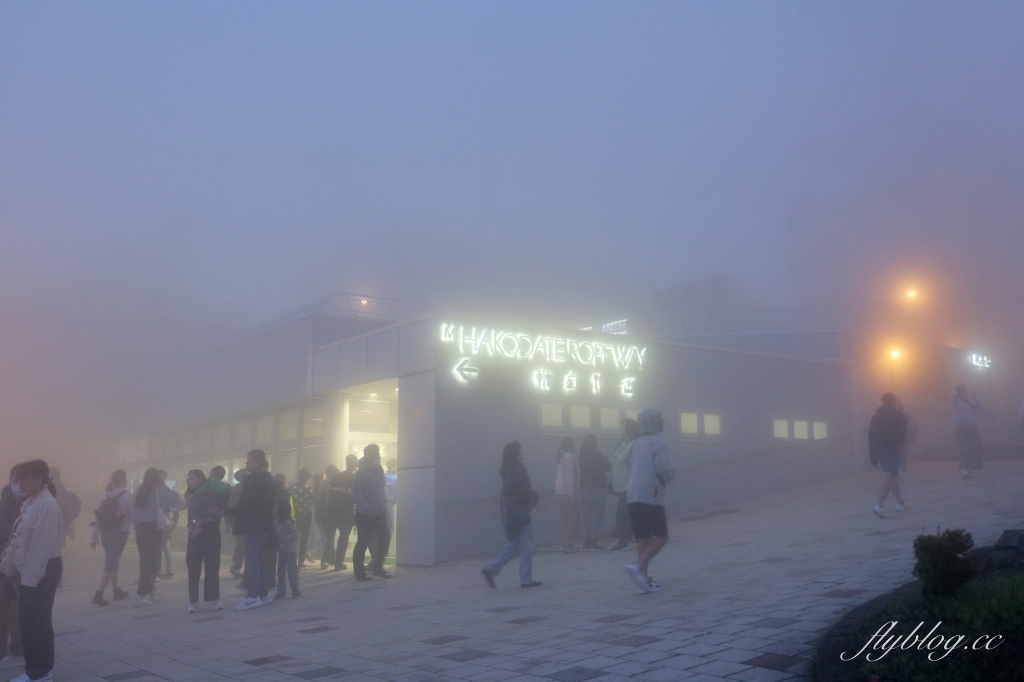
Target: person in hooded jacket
(650,470)
(114,538)
(518,498)
(371,500)
(886,435)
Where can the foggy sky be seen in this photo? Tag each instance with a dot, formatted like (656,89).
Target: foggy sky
(173,171)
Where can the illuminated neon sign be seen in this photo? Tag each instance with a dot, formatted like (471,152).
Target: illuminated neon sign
(561,363)
(980,361)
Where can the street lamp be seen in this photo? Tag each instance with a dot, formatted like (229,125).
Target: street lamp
(894,355)
(912,293)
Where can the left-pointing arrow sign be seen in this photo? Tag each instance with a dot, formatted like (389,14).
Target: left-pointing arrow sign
(463,372)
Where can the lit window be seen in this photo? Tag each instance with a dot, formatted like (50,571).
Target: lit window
(781,428)
(800,430)
(820,430)
(712,425)
(609,418)
(688,422)
(633,414)
(579,417)
(551,415)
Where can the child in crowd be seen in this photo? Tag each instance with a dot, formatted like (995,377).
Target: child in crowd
(287,549)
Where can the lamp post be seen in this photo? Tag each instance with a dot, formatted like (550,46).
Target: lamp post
(894,354)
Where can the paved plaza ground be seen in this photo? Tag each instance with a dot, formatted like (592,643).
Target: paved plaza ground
(747,590)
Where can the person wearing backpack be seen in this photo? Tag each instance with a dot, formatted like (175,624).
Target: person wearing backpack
(111,527)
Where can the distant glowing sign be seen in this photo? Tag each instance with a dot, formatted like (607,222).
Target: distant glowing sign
(556,362)
(978,360)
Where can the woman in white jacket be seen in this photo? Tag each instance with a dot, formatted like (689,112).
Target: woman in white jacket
(34,555)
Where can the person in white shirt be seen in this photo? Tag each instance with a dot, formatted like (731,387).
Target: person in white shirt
(567,485)
(34,554)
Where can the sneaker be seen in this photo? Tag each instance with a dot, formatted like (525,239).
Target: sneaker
(634,572)
(323,565)
(267,601)
(488,578)
(363,578)
(236,573)
(532,583)
(120,594)
(880,513)
(142,601)
(619,547)
(98,599)
(644,590)
(218,605)
(249,603)
(902,507)
(653,585)
(192,608)
(48,677)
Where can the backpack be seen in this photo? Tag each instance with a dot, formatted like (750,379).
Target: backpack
(109,517)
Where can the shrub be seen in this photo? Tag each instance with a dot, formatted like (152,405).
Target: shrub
(942,561)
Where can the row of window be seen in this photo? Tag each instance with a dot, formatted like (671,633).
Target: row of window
(695,424)
(799,429)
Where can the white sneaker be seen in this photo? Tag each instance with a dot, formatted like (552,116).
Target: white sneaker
(48,677)
(218,605)
(903,507)
(880,513)
(193,608)
(267,600)
(653,585)
(140,600)
(249,603)
(634,572)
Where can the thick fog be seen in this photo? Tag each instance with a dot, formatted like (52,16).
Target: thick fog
(172,172)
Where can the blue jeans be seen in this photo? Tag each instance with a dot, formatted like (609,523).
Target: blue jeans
(287,562)
(254,546)
(523,545)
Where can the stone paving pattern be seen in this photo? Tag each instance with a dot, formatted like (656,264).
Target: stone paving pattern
(747,590)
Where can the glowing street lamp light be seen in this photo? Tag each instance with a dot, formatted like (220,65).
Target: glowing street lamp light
(912,293)
(895,354)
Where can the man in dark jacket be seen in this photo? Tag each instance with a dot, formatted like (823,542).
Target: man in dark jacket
(886,434)
(320,515)
(254,518)
(371,500)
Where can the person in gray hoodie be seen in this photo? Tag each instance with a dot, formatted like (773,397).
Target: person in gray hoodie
(650,470)
(371,501)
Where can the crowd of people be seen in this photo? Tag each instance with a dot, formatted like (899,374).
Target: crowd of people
(636,476)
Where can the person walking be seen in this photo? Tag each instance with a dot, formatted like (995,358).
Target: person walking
(303,502)
(206,498)
(254,518)
(518,498)
(371,500)
(111,527)
(322,517)
(149,519)
(10,631)
(567,484)
(650,470)
(34,554)
(287,550)
(886,435)
(628,432)
(593,493)
(968,444)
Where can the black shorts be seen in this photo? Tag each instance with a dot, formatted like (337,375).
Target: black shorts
(648,520)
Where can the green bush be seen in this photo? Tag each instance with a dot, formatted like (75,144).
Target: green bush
(942,562)
(985,607)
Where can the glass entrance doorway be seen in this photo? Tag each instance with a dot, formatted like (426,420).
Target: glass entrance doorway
(369,414)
